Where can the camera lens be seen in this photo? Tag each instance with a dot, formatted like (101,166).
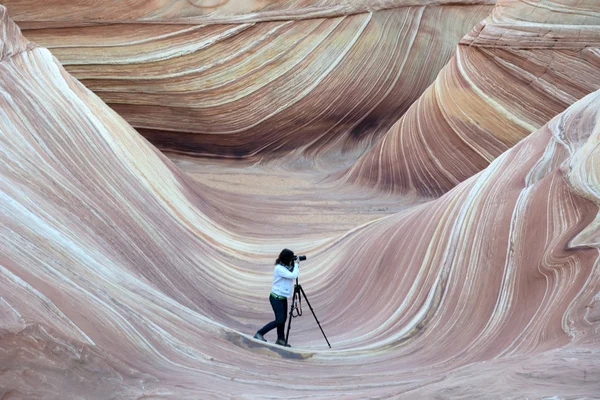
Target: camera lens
(301,258)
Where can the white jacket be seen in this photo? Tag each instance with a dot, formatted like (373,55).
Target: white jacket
(283,280)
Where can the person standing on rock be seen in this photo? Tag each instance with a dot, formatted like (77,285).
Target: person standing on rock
(286,270)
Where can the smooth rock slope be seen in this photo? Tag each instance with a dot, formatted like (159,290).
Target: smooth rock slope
(255,79)
(119,277)
(517,69)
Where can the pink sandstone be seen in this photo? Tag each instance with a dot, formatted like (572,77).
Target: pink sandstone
(507,78)
(121,277)
(327,83)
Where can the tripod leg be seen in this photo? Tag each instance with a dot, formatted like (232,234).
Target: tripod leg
(313,313)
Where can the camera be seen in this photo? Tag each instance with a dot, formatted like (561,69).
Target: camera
(299,258)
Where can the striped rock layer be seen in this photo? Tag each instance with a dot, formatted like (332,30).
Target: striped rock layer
(119,278)
(517,69)
(62,13)
(323,78)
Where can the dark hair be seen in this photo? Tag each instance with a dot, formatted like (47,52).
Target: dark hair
(286,257)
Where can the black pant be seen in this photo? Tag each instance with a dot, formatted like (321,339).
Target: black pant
(280,310)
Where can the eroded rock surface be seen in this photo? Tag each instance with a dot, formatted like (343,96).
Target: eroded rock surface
(327,78)
(121,277)
(517,69)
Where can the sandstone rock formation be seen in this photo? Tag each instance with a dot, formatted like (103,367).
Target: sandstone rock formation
(278,80)
(121,277)
(517,69)
(61,13)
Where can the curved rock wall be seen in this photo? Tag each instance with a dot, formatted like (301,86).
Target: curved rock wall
(508,77)
(324,86)
(62,13)
(119,276)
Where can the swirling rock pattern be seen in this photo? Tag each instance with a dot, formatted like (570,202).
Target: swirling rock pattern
(12,41)
(61,13)
(258,86)
(120,277)
(513,72)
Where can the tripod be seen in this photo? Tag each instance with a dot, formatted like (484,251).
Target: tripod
(297,306)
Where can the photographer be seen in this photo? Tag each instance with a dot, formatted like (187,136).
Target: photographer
(286,270)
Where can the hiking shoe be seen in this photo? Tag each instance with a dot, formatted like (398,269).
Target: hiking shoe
(282,343)
(259,337)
